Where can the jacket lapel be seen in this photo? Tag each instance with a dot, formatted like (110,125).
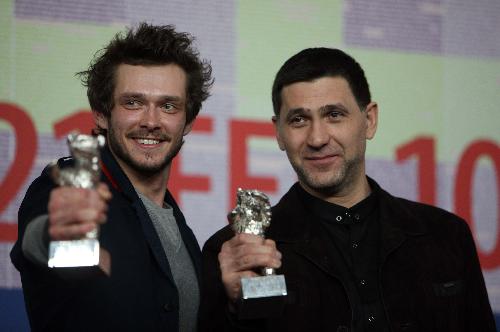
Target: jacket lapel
(296,228)
(396,222)
(318,251)
(117,178)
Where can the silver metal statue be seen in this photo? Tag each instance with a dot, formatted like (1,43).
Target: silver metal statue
(252,215)
(85,173)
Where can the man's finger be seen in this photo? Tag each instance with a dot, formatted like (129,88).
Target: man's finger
(70,232)
(231,263)
(104,191)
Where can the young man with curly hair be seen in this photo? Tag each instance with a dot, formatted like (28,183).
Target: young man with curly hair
(145,90)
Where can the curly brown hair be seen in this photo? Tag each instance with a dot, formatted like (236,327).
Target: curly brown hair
(147,45)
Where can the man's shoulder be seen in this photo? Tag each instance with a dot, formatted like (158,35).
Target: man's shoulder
(424,208)
(418,210)
(433,217)
(45,181)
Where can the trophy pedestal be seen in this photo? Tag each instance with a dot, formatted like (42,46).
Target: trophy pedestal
(265,286)
(74,253)
(262,297)
(79,259)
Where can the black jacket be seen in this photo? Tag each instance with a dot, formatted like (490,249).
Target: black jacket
(140,294)
(430,278)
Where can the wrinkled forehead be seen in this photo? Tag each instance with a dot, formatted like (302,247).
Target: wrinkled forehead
(155,80)
(313,95)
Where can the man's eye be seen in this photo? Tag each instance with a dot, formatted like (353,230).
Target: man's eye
(297,119)
(335,114)
(132,103)
(168,107)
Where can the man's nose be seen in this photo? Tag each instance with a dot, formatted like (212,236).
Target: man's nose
(318,135)
(150,118)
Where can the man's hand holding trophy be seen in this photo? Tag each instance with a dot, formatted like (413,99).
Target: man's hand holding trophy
(261,295)
(84,252)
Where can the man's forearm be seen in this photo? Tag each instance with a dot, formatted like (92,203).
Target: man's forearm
(36,240)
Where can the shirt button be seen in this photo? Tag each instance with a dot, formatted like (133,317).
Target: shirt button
(362,282)
(355,245)
(168,307)
(371,319)
(356,217)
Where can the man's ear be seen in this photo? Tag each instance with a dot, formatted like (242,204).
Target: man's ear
(371,113)
(275,120)
(100,120)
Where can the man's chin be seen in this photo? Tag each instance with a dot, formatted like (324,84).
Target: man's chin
(323,185)
(149,167)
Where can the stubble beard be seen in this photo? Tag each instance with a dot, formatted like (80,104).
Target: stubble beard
(333,183)
(143,167)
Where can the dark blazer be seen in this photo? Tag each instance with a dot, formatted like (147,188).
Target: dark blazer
(430,278)
(140,294)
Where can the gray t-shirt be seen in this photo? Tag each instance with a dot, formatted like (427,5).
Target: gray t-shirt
(179,260)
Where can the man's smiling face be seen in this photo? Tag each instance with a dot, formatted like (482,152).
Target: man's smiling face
(148,120)
(324,133)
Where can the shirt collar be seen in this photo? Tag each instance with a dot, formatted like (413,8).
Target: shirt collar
(338,214)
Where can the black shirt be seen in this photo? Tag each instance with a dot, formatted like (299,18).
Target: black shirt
(354,247)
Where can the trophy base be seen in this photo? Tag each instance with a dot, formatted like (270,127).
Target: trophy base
(75,253)
(265,286)
(262,297)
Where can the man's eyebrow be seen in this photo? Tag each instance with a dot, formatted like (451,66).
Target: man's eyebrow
(139,95)
(333,107)
(295,111)
(131,95)
(170,98)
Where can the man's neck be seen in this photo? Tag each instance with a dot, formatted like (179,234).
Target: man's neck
(153,186)
(347,197)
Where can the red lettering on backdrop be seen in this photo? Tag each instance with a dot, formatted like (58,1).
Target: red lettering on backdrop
(424,149)
(463,192)
(24,156)
(178,181)
(81,120)
(240,131)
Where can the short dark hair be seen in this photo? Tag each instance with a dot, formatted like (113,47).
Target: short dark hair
(147,45)
(314,63)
